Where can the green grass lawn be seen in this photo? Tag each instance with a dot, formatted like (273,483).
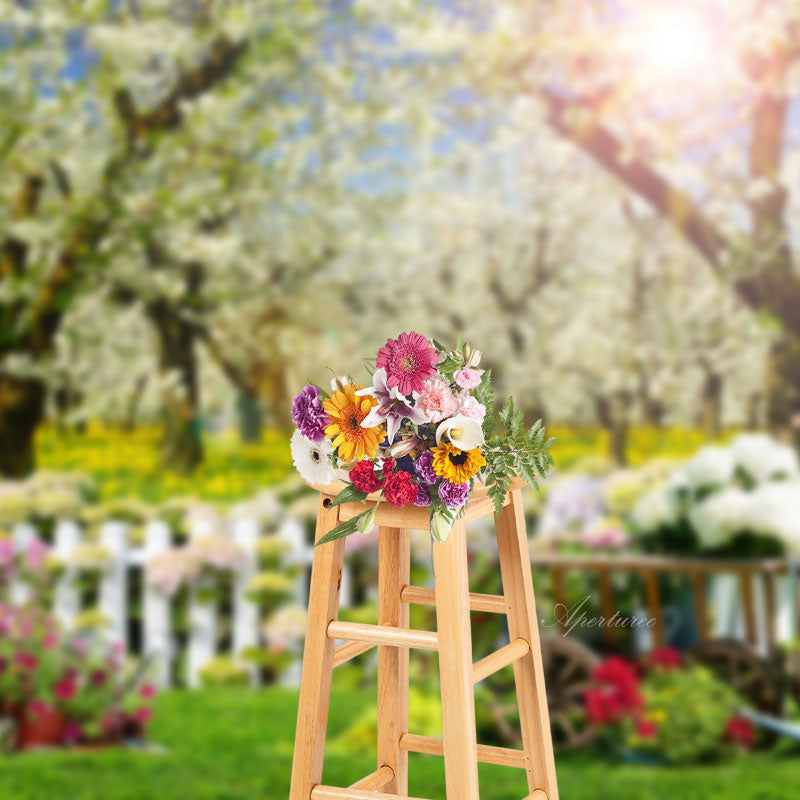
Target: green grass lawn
(237,745)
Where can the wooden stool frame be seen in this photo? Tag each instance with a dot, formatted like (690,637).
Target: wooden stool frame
(452,640)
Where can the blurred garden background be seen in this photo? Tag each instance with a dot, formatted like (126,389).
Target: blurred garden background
(206,204)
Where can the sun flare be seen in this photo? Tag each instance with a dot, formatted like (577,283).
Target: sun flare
(674,44)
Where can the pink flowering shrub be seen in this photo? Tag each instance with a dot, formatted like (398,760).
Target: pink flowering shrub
(85,685)
(33,564)
(208,560)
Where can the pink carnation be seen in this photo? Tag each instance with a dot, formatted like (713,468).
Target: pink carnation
(437,400)
(468,406)
(468,378)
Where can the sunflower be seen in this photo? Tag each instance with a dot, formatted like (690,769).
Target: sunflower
(454,465)
(346,412)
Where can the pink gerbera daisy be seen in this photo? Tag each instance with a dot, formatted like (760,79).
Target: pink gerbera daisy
(409,360)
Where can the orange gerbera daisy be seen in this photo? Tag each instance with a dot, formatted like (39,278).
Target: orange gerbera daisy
(346,412)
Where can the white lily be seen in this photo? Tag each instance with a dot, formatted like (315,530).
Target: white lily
(392,407)
(440,528)
(463,432)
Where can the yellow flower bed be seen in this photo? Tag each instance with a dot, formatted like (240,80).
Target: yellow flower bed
(644,443)
(126,464)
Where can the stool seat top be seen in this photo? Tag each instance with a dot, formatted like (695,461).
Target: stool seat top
(411,516)
(479,489)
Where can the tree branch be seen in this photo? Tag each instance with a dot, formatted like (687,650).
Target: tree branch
(13,251)
(669,201)
(49,306)
(223,56)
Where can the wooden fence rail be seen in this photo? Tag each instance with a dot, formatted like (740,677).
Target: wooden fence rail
(749,588)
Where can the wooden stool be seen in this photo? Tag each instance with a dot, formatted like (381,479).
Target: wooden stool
(457,673)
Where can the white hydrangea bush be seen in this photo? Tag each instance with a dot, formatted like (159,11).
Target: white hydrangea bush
(749,489)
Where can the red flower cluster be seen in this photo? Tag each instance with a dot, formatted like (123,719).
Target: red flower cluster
(399,490)
(619,695)
(740,730)
(398,487)
(667,658)
(646,729)
(364,478)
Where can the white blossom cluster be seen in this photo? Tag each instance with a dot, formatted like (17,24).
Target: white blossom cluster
(750,486)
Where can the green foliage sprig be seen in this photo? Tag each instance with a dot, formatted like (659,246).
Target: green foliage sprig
(514,451)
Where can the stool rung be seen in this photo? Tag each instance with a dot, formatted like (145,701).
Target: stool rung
(488,754)
(320,792)
(383,634)
(489,603)
(346,652)
(375,781)
(512,652)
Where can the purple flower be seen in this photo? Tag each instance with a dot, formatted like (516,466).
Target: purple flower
(454,495)
(423,498)
(423,466)
(309,415)
(392,406)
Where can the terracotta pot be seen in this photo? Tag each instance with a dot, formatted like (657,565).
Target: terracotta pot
(40,728)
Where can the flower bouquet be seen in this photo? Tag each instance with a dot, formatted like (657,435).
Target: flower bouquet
(423,433)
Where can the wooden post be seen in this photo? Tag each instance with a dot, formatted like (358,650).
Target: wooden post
(534,716)
(700,608)
(114,583)
(748,606)
(202,616)
(653,597)
(770,609)
(394,567)
(157,623)
(23,534)
(315,684)
(455,665)
(606,605)
(245,611)
(66,597)
(560,599)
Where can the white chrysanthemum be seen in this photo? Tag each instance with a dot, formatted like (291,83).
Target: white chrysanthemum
(764,458)
(774,510)
(712,466)
(654,510)
(312,459)
(721,516)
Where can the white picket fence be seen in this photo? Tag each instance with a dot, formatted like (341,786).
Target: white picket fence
(157,638)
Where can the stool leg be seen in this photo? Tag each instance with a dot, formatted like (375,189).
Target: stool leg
(394,567)
(315,684)
(455,666)
(522,623)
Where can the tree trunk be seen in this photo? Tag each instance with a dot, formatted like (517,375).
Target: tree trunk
(250,415)
(652,407)
(711,412)
(182,446)
(276,391)
(21,411)
(783,388)
(612,415)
